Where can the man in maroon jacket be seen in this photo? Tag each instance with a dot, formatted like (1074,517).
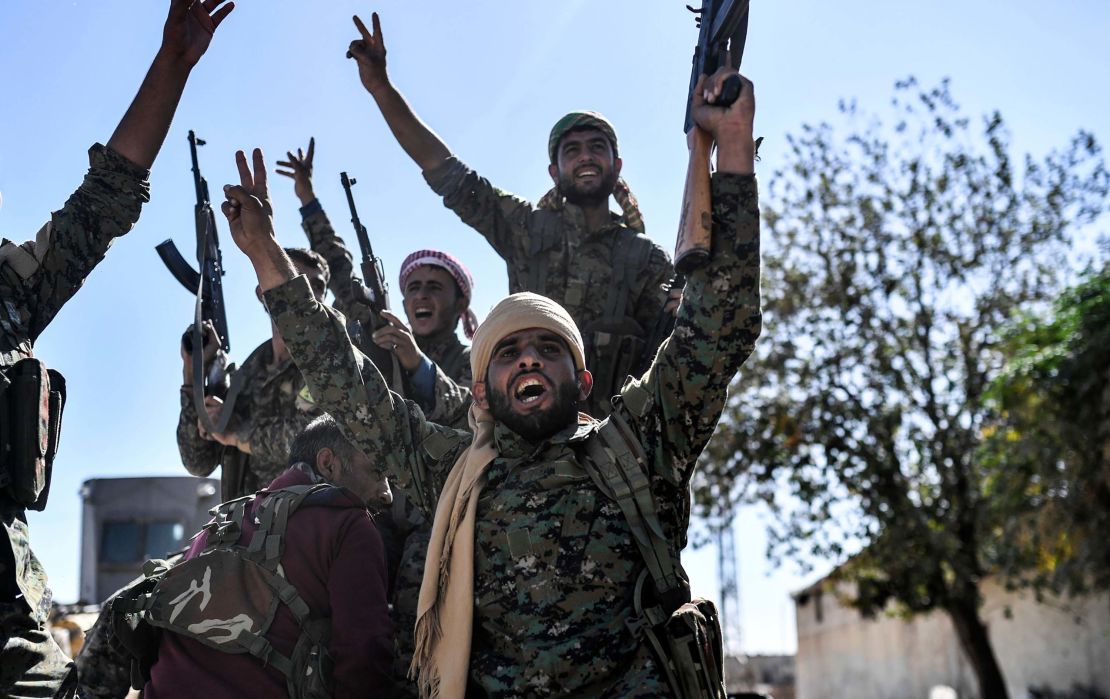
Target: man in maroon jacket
(334,558)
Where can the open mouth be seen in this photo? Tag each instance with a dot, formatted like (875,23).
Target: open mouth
(587,172)
(422,313)
(529,390)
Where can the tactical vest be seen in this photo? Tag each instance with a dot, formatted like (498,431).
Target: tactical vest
(685,634)
(32,397)
(227,596)
(615,343)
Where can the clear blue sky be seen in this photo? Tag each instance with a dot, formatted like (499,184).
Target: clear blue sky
(491,78)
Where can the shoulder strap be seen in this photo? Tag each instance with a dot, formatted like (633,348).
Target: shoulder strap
(630,254)
(544,235)
(616,461)
(273,513)
(226,524)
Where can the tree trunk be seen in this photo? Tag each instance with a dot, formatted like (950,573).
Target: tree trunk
(976,645)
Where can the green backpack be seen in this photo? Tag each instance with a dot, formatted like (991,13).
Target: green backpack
(227,596)
(684,633)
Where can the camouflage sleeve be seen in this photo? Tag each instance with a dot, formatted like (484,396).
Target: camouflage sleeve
(77,237)
(498,215)
(452,400)
(271,437)
(103,665)
(344,383)
(343,281)
(199,456)
(676,404)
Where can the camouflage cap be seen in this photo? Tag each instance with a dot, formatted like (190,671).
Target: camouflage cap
(580,120)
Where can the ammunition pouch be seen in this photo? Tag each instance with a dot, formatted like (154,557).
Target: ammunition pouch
(614,350)
(692,639)
(687,643)
(684,634)
(31,401)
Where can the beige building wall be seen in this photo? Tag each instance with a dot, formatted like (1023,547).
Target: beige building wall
(1059,643)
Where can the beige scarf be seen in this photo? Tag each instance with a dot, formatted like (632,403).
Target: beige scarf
(445,610)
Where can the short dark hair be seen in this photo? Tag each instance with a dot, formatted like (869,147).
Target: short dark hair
(311,259)
(323,432)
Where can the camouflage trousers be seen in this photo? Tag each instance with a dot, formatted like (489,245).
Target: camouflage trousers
(103,666)
(31,663)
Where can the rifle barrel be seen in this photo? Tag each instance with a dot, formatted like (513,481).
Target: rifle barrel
(360,230)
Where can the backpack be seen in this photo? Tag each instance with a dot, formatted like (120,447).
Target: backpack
(684,633)
(249,584)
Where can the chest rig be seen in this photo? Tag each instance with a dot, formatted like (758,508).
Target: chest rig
(615,342)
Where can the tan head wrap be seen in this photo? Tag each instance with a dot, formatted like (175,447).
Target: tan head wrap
(445,611)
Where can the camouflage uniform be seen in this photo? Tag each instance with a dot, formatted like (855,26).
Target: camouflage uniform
(554,559)
(451,357)
(36,279)
(272,409)
(407,534)
(103,665)
(610,281)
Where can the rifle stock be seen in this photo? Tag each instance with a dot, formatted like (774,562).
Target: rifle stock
(695,225)
(723,32)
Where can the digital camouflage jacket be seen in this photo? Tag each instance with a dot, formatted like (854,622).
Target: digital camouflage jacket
(407,529)
(38,277)
(555,562)
(610,281)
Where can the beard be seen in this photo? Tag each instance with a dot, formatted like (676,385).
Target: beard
(592,195)
(538,426)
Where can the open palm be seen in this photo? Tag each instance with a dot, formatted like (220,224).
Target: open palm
(190,26)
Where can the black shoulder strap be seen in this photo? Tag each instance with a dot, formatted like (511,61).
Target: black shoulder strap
(545,235)
(617,463)
(630,254)
(273,513)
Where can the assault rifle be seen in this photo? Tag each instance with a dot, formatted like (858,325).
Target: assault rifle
(724,31)
(373,275)
(207,284)
(374,292)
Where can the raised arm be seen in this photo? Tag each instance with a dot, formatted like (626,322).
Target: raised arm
(420,142)
(185,38)
(343,383)
(343,282)
(495,213)
(677,403)
(108,202)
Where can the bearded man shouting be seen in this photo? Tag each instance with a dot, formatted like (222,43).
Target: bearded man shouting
(530,586)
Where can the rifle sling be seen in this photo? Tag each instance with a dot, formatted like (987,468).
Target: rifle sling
(221,423)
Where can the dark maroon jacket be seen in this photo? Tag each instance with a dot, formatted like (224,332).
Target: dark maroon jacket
(335,559)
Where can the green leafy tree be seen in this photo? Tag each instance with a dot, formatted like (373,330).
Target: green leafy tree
(895,254)
(1048,445)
